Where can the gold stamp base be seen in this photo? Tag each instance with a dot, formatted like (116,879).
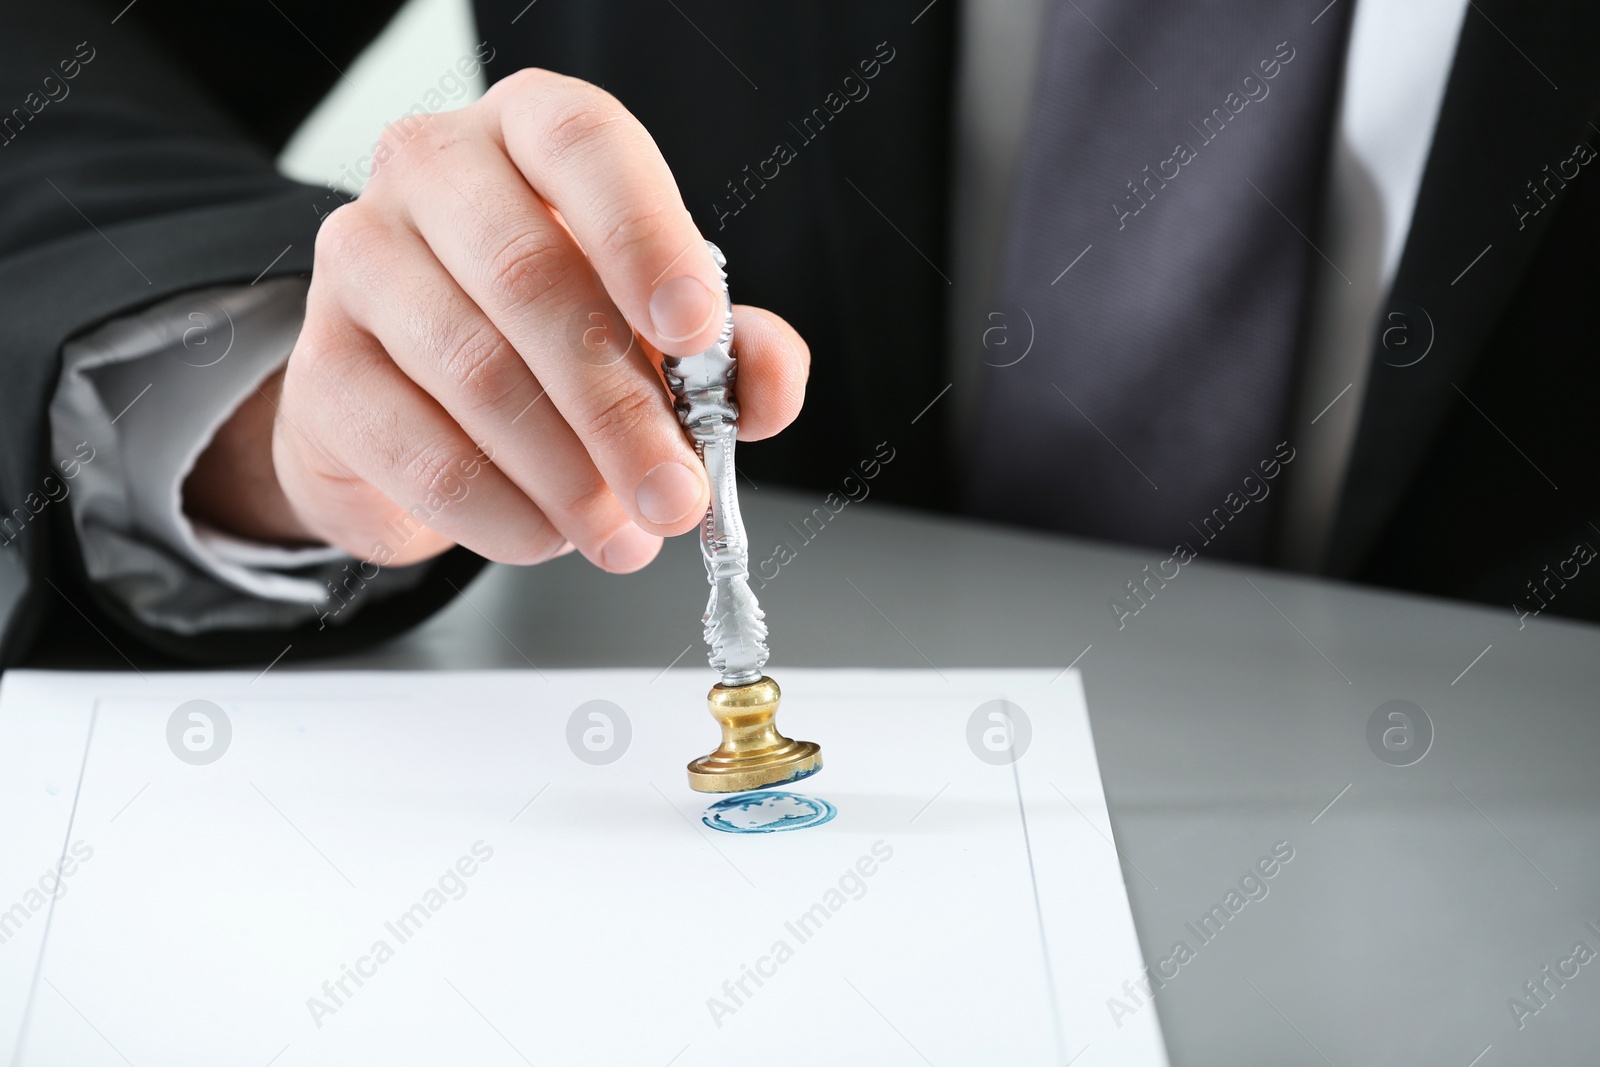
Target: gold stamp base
(753,754)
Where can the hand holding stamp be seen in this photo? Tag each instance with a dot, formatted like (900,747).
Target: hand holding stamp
(753,754)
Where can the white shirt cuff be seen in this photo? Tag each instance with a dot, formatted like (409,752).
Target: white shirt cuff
(147,392)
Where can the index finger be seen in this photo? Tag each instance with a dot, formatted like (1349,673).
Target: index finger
(591,160)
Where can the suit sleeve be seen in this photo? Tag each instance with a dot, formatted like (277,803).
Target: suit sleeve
(128,174)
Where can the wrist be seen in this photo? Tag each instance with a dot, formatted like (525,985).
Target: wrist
(234,485)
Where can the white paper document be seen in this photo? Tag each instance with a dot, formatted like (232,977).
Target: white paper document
(509,868)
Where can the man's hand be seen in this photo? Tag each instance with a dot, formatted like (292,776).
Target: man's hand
(477,302)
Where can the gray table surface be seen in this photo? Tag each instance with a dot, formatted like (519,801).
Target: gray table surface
(1229,714)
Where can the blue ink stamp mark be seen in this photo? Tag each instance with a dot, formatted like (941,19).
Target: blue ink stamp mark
(767,812)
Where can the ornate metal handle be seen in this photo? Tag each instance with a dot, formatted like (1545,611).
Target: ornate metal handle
(702,385)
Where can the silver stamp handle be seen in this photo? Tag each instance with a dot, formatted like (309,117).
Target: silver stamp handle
(703,390)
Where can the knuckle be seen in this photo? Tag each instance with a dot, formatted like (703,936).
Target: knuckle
(616,418)
(595,509)
(344,239)
(634,226)
(430,466)
(581,115)
(483,367)
(524,268)
(519,84)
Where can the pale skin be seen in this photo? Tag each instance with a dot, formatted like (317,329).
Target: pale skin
(447,319)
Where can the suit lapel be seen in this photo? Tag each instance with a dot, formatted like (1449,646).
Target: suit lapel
(1520,96)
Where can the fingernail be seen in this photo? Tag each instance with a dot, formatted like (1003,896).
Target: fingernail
(668,493)
(681,307)
(629,549)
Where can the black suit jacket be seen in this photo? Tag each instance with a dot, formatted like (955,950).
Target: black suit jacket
(152,174)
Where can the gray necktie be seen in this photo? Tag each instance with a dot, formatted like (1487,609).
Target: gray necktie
(1174,162)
